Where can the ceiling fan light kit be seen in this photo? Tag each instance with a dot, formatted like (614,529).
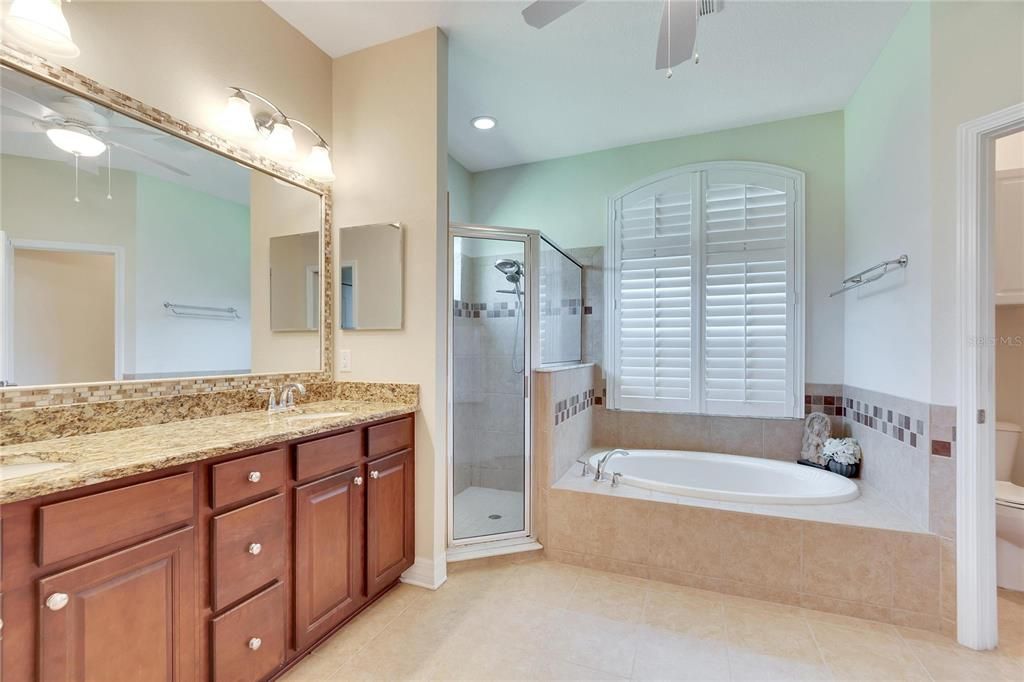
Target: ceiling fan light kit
(76,140)
(40,26)
(276,128)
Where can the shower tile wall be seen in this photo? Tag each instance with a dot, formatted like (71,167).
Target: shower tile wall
(488,392)
(561,307)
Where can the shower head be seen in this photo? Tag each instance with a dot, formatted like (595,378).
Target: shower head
(512,269)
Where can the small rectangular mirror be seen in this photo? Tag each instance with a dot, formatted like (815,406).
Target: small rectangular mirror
(295,282)
(370,276)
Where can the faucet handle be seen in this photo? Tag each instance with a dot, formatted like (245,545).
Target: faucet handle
(273,397)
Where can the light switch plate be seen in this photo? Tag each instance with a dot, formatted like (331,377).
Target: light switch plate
(344,360)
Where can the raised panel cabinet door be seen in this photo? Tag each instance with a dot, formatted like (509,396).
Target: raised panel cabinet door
(329,573)
(128,616)
(389,519)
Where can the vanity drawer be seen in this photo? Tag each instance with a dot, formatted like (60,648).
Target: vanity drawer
(390,437)
(247,477)
(322,456)
(69,528)
(249,640)
(248,549)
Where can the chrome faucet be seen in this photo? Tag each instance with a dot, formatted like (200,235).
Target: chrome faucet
(288,394)
(604,461)
(272,405)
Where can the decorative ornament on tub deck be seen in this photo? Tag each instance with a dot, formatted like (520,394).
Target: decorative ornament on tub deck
(842,456)
(817,429)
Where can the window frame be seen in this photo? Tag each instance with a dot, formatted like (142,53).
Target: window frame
(795,296)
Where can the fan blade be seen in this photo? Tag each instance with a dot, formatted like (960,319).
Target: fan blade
(541,13)
(132,130)
(683,33)
(147,157)
(15,101)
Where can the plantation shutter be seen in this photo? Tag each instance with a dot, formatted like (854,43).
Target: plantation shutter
(653,298)
(748,294)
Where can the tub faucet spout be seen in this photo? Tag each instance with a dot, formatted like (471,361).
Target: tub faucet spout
(604,461)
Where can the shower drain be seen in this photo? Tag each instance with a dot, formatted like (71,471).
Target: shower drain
(494,517)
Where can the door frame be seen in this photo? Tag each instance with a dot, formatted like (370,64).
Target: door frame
(11,245)
(531,246)
(977,617)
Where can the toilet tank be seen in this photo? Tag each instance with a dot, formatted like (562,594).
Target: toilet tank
(1007,435)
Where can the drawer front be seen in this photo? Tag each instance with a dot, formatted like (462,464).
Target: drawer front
(249,640)
(241,479)
(67,529)
(322,456)
(390,437)
(249,546)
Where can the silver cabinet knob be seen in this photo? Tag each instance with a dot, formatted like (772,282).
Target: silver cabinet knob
(358,480)
(57,601)
(255,643)
(255,548)
(374,474)
(254,476)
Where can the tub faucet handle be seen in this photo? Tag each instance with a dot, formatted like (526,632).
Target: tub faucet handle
(616,479)
(586,469)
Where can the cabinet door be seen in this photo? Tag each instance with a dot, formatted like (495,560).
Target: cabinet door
(329,578)
(389,522)
(127,616)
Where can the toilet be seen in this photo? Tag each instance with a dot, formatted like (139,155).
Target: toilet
(1009,511)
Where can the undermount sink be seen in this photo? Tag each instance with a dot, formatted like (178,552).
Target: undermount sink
(16,466)
(310,416)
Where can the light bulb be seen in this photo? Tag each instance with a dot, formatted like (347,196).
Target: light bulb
(40,26)
(281,142)
(484,122)
(77,141)
(236,119)
(318,164)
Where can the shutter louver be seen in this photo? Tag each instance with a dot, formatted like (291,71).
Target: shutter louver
(654,290)
(746,301)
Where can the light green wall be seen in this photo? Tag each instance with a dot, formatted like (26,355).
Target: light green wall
(567,198)
(459,189)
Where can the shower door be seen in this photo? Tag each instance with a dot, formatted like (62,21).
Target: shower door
(489,368)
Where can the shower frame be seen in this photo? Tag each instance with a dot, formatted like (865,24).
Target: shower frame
(499,543)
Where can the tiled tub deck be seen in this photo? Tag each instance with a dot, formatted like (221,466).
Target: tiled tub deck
(852,560)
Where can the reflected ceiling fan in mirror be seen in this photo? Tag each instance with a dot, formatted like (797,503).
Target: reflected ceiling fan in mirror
(78,127)
(677,35)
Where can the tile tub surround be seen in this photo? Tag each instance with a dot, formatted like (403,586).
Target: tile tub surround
(520,618)
(59,421)
(890,576)
(110,455)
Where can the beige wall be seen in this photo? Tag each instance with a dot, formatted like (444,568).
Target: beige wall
(390,137)
(277,209)
(63,317)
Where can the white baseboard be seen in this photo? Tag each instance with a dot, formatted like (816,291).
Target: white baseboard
(426,573)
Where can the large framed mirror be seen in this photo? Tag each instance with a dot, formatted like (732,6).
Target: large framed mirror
(139,248)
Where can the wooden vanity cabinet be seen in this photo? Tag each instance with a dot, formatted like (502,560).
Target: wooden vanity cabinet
(229,569)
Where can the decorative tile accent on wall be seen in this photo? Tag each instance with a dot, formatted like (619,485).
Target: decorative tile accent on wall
(16,398)
(567,306)
(573,405)
(943,430)
(484,310)
(892,423)
(832,405)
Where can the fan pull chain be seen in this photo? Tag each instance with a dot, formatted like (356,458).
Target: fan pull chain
(76,179)
(669,74)
(108,173)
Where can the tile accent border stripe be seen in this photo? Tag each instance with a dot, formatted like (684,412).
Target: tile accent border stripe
(573,405)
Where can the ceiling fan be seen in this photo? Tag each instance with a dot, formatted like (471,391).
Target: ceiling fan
(677,35)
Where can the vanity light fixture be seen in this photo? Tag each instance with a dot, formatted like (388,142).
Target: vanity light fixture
(40,26)
(484,122)
(278,131)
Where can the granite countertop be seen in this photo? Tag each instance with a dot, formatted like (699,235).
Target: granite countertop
(65,463)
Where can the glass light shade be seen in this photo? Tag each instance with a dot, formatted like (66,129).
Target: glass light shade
(40,26)
(281,142)
(75,141)
(318,164)
(484,122)
(236,119)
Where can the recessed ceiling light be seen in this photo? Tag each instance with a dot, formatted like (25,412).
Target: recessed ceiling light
(484,122)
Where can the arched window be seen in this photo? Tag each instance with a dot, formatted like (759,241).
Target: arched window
(705,268)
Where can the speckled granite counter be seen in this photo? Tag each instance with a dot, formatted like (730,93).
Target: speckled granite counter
(84,460)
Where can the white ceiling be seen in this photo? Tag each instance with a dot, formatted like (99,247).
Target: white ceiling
(587,81)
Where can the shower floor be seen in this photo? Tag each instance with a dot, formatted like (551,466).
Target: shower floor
(474,506)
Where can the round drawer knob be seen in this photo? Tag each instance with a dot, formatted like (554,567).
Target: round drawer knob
(374,474)
(255,643)
(255,548)
(255,476)
(57,601)
(358,480)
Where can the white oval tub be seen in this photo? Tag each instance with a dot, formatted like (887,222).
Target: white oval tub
(728,477)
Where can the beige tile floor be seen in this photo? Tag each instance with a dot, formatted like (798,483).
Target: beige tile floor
(541,620)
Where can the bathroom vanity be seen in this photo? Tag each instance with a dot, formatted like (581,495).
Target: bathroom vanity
(226,567)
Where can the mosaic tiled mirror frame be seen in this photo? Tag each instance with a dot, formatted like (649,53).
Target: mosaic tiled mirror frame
(65,394)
